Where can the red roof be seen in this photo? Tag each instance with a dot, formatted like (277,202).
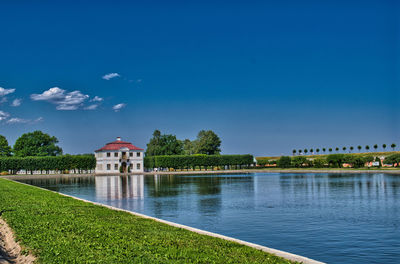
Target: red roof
(117,145)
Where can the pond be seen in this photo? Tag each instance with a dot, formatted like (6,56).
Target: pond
(335,218)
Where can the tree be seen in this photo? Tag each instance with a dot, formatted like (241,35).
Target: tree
(36,143)
(344,149)
(367,147)
(393,146)
(207,142)
(5,149)
(164,145)
(337,149)
(359,148)
(324,149)
(188,147)
(305,151)
(299,161)
(317,150)
(294,152)
(330,149)
(375,146)
(311,151)
(300,151)
(336,160)
(284,162)
(351,148)
(384,147)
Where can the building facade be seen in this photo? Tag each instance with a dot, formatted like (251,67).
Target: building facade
(119,156)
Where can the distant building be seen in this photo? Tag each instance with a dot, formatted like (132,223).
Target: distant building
(119,156)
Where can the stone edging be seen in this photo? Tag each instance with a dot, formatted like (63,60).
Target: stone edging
(283,254)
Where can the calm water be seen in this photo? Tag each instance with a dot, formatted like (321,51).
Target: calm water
(335,218)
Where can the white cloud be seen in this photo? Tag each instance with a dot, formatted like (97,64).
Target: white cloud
(109,76)
(64,100)
(3,115)
(97,99)
(3,100)
(91,107)
(118,107)
(16,102)
(4,91)
(17,120)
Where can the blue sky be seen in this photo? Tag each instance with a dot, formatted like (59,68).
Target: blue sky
(266,76)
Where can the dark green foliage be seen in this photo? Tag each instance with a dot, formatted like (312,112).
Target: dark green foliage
(36,143)
(164,145)
(319,163)
(299,161)
(61,229)
(284,162)
(336,160)
(188,147)
(392,159)
(58,163)
(192,161)
(5,149)
(369,158)
(207,142)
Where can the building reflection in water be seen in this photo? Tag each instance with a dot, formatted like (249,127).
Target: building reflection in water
(119,187)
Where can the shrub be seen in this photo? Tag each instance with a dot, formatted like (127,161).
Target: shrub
(284,162)
(319,163)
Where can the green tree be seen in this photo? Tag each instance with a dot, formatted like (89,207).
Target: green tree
(344,149)
(384,147)
(317,150)
(336,160)
(36,143)
(188,147)
(351,148)
(367,147)
(5,149)
(393,146)
(294,152)
(337,149)
(376,147)
(164,145)
(311,151)
(359,148)
(300,151)
(284,162)
(305,151)
(299,161)
(330,150)
(207,142)
(324,149)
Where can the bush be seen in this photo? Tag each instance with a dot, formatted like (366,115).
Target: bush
(319,163)
(299,161)
(284,162)
(336,160)
(192,161)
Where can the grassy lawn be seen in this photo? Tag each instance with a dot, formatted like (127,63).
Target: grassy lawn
(60,229)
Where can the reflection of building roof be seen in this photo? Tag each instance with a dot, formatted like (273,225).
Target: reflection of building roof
(117,145)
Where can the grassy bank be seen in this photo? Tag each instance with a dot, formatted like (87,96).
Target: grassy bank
(60,229)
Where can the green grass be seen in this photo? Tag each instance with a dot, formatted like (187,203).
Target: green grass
(59,229)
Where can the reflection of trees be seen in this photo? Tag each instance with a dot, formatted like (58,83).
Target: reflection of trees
(54,183)
(338,185)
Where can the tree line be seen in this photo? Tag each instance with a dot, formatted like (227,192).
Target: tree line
(207,142)
(337,149)
(197,161)
(37,151)
(330,161)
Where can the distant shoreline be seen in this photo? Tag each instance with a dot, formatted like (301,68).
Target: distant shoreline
(221,172)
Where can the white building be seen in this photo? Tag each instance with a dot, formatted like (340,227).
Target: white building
(119,156)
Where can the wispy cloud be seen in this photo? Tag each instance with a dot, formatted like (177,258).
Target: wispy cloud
(91,107)
(97,99)
(17,120)
(111,75)
(64,100)
(16,102)
(3,100)
(3,115)
(118,107)
(4,91)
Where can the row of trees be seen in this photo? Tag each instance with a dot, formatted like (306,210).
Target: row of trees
(193,161)
(207,142)
(30,144)
(332,160)
(337,149)
(49,163)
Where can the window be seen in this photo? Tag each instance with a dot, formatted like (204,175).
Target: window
(108,166)
(115,154)
(131,154)
(108,154)
(131,166)
(115,166)
(137,154)
(100,166)
(138,166)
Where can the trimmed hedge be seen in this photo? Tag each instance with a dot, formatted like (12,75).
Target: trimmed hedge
(192,161)
(48,163)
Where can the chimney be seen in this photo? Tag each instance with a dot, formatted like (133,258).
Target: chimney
(118,138)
